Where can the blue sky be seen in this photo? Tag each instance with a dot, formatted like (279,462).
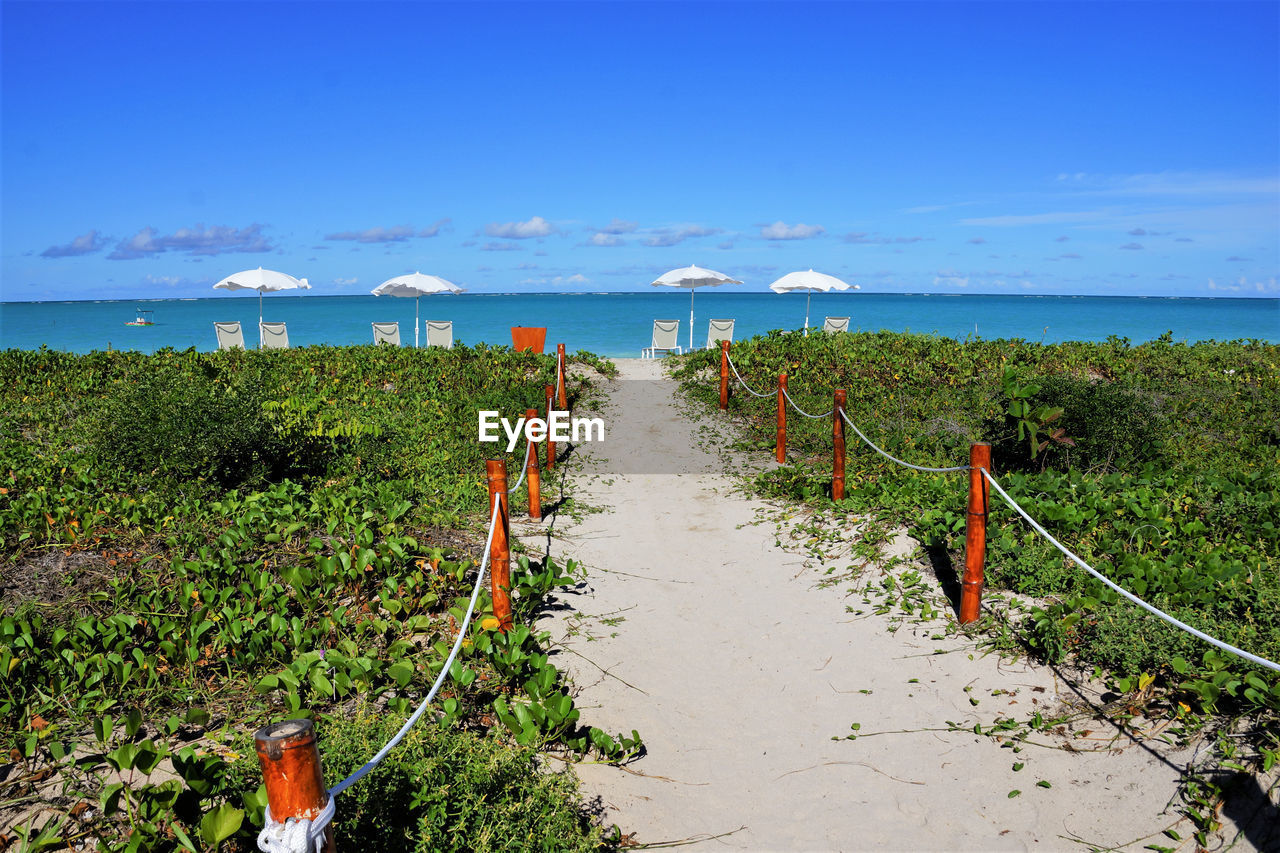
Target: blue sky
(150,149)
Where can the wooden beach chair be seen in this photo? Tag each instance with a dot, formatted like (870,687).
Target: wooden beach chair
(386,333)
(831,325)
(717,331)
(229,336)
(274,336)
(665,335)
(440,333)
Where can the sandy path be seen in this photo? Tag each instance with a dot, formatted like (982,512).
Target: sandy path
(738,671)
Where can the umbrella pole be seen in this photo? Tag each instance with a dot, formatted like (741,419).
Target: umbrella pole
(808,294)
(259,319)
(691,292)
(417,300)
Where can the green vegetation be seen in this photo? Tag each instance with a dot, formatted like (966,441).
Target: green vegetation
(194,543)
(1157,464)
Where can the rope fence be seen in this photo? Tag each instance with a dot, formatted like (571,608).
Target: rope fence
(300,810)
(980,479)
(298,817)
(1226,647)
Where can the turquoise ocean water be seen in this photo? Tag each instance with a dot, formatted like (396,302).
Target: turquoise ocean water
(620,324)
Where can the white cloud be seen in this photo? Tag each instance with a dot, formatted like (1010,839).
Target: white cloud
(951,278)
(492,246)
(1055,218)
(434,228)
(603,238)
(85,244)
(781,231)
(1243,285)
(535,227)
(576,278)
(865,238)
(214,240)
(1173,183)
(345,281)
(618,226)
(395,234)
(675,235)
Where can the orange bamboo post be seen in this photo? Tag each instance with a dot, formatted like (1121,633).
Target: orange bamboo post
(551,444)
(564,398)
(837,436)
(531,472)
(975,534)
(782,419)
(500,551)
(290,764)
(724,374)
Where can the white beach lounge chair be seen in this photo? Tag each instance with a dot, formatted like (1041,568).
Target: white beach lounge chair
(386,333)
(665,335)
(831,325)
(717,331)
(275,336)
(229,336)
(440,333)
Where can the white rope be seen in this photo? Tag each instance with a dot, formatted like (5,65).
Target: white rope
(1226,647)
(295,835)
(524,468)
(742,381)
(826,414)
(444,671)
(559,374)
(894,458)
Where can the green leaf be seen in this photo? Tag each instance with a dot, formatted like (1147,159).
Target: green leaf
(401,672)
(321,684)
(220,823)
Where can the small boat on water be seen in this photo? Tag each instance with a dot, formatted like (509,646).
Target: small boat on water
(145,318)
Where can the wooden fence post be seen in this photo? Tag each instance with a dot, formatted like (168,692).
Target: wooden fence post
(564,398)
(782,419)
(291,770)
(531,472)
(837,436)
(975,534)
(500,551)
(724,374)
(551,444)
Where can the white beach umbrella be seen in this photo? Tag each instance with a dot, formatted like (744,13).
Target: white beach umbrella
(415,285)
(693,278)
(263,281)
(809,281)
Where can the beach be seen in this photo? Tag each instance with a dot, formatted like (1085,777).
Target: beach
(775,717)
(619,325)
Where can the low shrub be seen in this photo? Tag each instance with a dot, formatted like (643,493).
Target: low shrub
(1113,426)
(200,425)
(440,789)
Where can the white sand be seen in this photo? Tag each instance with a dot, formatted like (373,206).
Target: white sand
(738,670)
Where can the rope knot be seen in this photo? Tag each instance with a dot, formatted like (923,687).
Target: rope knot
(296,834)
